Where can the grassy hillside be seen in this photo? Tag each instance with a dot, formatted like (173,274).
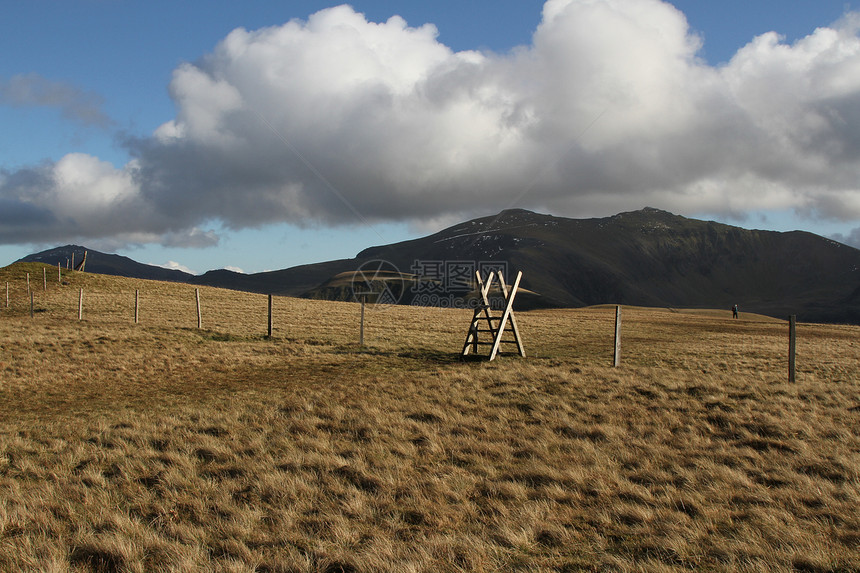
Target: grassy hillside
(162,447)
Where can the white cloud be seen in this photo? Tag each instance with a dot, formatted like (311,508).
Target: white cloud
(336,118)
(174,266)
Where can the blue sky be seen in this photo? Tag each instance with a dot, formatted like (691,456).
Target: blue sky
(262,135)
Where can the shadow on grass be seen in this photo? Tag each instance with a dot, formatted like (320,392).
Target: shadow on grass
(424,355)
(431,355)
(439,357)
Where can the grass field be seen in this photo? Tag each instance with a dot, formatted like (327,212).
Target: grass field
(159,446)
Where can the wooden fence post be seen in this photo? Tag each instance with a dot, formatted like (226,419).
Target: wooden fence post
(616,355)
(199,316)
(361,329)
(81,305)
(136,305)
(269,329)
(792,345)
(28,283)
(59,274)
(45,278)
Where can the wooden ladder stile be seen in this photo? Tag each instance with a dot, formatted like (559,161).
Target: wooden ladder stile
(508,316)
(482,308)
(496,325)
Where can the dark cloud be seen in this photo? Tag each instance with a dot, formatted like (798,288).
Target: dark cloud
(193,238)
(22,215)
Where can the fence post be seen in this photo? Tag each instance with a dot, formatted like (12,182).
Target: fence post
(81,305)
(270,317)
(361,329)
(616,356)
(199,316)
(59,274)
(28,283)
(45,278)
(136,305)
(792,345)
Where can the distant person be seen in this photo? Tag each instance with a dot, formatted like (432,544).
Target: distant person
(735,311)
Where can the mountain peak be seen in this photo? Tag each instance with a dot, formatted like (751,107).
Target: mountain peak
(646,211)
(516,212)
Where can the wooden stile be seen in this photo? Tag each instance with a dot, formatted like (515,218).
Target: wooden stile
(496,325)
(82,265)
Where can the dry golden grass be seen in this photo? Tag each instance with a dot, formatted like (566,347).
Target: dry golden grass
(161,447)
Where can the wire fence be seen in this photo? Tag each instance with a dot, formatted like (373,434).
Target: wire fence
(654,338)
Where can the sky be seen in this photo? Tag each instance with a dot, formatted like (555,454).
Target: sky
(262,135)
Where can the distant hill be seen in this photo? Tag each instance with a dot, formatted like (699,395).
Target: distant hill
(293,281)
(104,264)
(647,258)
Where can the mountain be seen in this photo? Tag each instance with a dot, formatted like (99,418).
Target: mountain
(104,264)
(652,258)
(294,281)
(648,258)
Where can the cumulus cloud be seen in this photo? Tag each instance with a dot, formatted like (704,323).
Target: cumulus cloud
(337,119)
(77,196)
(28,90)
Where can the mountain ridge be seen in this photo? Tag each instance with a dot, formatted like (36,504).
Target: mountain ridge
(648,257)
